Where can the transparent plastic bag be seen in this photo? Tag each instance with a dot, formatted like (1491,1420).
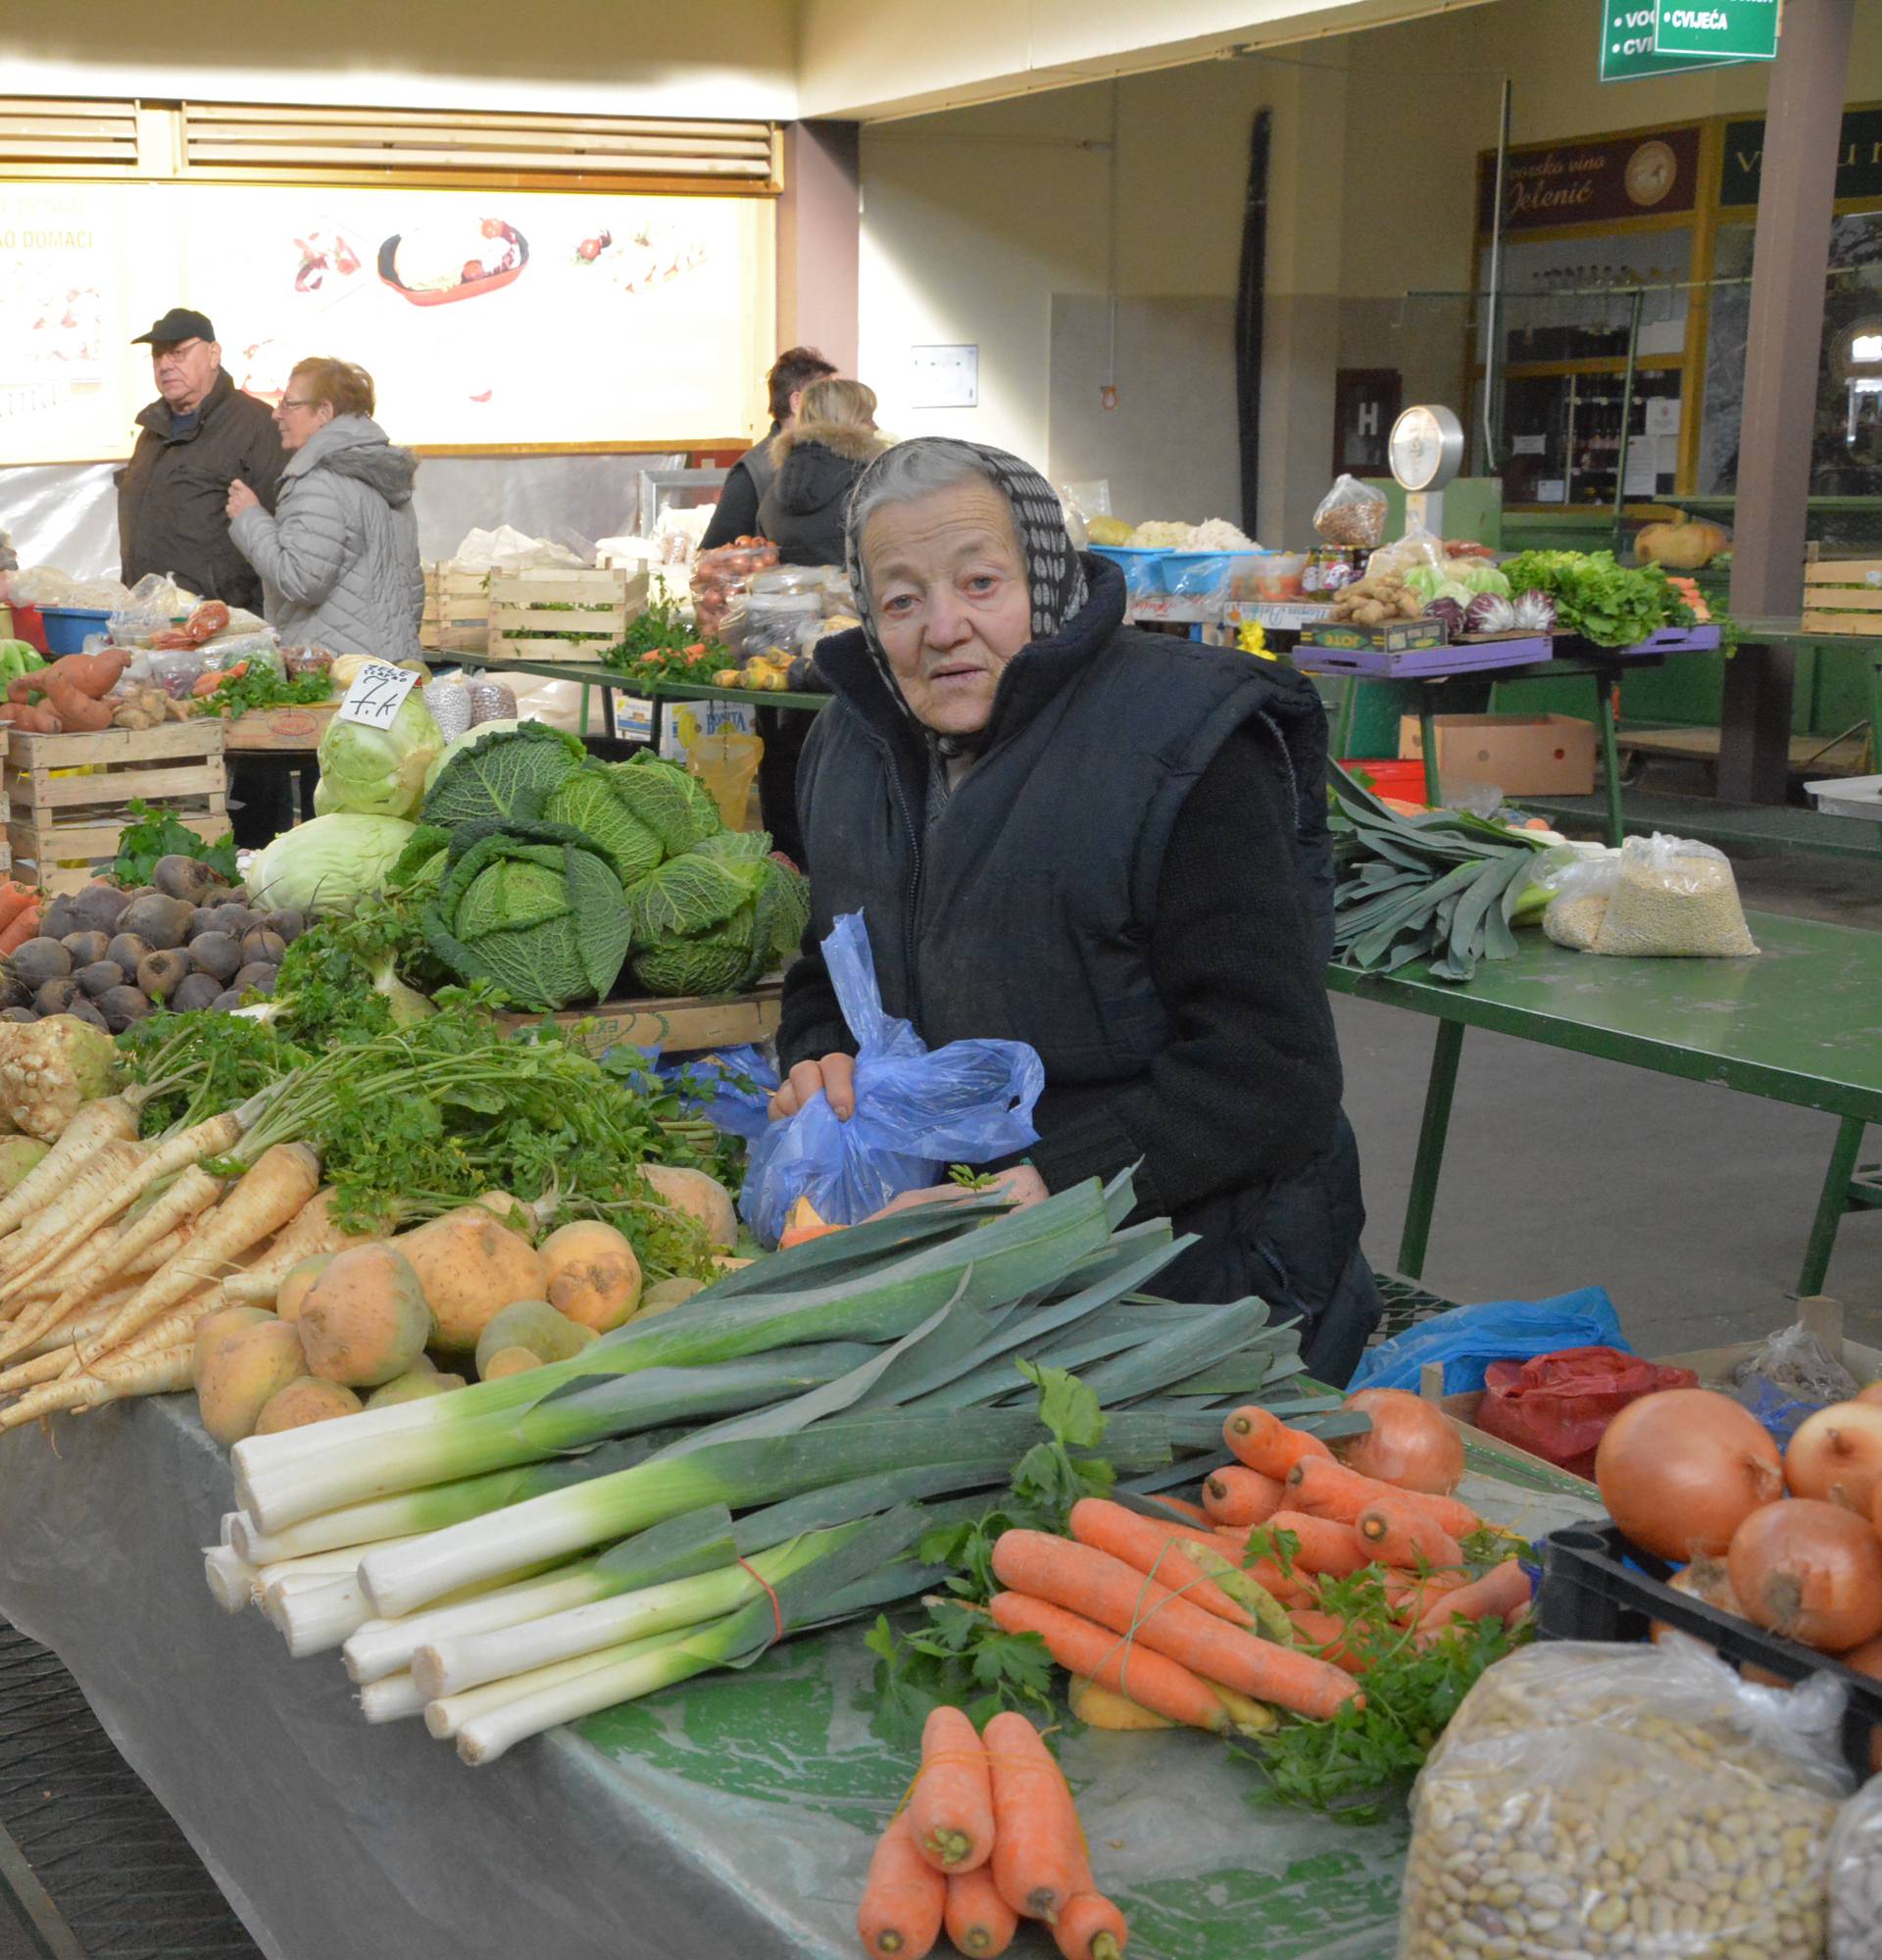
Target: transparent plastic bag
(1675,899)
(1856,1877)
(917,1111)
(1417,547)
(1582,887)
(1642,1800)
(1351,512)
(1789,1379)
(449,703)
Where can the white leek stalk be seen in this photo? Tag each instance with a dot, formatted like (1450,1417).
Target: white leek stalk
(443,1719)
(390,1699)
(384,1646)
(230,1577)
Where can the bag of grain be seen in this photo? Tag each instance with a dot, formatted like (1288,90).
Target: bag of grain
(1856,1877)
(1582,887)
(1675,899)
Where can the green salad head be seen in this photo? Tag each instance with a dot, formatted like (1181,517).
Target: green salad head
(370,771)
(713,918)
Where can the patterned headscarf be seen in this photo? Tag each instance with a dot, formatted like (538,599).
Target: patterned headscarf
(1054,574)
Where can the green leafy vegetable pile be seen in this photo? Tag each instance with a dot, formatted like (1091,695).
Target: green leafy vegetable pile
(1613,604)
(1445,886)
(261,687)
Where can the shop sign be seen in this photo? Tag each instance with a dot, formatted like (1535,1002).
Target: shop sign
(1602,178)
(1630,45)
(1859,161)
(1739,29)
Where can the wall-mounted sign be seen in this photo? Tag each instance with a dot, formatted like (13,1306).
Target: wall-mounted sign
(944,377)
(1859,159)
(1602,178)
(1635,35)
(1732,30)
(1365,405)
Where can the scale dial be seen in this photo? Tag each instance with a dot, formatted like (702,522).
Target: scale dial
(1426,448)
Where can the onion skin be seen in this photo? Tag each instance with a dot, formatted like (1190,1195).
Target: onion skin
(1681,1470)
(1871,1397)
(1811,1572)
(1836,1455)
(1412,1444)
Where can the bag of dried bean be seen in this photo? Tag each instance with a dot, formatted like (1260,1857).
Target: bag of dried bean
(1675,899)
(1603,1800)
(1856,1877)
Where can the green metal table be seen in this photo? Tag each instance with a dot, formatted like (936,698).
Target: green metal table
(1801,1023)
(593,676)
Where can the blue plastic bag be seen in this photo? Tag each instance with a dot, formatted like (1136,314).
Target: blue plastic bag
(916,1111)
(1782,1415)
(1468,1339)
(731,1088)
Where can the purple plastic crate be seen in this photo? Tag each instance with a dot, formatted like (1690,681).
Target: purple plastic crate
(1676,640)
(1426,662)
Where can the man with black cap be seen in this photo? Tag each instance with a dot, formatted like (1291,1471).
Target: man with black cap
(194,441)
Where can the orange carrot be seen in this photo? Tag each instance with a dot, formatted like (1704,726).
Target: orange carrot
(951,1813)
(1038,1849)
(1327,1634)
(1182,1507)
(1502,1592)
(23,926)
(1119,1596)
(1091,1928)
(1412,1598)
(904,1897)
(1399,1534)
(1325,1545)
(1237,1495)
(1330,1489)
(1265,1443)
(980,1922)
(14,900)
(1127,1667)
(1152,1549)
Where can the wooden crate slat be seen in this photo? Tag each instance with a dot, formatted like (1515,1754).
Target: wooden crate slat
(688,1023)
(1842,571)
(200,736)
(1868,625)
(1843,598)
(42,790)
(100,839)
(504,646)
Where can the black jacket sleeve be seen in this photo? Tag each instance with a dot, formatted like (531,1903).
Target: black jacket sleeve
(1249,1087)
(737,512)
(263,462)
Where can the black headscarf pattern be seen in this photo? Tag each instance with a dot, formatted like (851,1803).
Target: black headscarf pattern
(1055,577)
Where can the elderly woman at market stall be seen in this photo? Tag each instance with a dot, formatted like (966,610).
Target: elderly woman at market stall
(1108,844)
(339,557)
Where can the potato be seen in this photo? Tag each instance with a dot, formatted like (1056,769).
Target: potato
(535,1325)
(703,1197)
(471,1268)
(298,1283)
(303,1401)
(244,1371)
(593,1276)
(365,1319)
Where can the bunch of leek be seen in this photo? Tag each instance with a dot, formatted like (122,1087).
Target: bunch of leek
(689,1490)
(1442,886)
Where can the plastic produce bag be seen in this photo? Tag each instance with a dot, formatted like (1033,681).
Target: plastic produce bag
(1351,512)
(1418,547)
(1856,1877)
(1789,1379)
(731,1088)
(1467,1339)
(1673,899)
(917,1111)
(1558,1405)
(1641,1800)
(1582,887)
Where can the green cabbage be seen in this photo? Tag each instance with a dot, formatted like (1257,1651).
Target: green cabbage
(502,776)
(673,802)
(378,772)
(533,907)
(713,918)
(327,865)
(420,865)
(600,802)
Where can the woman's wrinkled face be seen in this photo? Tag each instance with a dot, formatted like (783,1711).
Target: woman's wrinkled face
(952,604)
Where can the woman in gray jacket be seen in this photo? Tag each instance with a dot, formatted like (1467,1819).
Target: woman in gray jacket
(339,557)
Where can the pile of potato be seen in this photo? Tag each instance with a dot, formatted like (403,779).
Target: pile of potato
(1376,601)
(110,956)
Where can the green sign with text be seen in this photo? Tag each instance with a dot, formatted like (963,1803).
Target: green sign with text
(1732,30)
(1632,46)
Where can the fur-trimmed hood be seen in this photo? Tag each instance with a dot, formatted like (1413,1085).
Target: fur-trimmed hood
(848,440)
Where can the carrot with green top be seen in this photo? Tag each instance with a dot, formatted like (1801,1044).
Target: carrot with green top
(1329,1637)
(1398,1533)
(1127,1667)
(903,1900)
(1152,1549)
(1074,1575)
(1502,1592)
(1038,1849)
(1237,1495)
(1329,1490)
(1262,1441)
(951,1813)
(980,1922)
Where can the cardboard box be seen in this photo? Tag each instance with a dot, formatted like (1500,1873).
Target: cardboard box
(1521,754)
(1396,636)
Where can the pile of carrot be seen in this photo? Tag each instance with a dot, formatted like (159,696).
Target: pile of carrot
(21,910)
(111,1250)
(989,1837)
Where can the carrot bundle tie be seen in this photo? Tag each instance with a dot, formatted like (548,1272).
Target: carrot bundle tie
(777,1611)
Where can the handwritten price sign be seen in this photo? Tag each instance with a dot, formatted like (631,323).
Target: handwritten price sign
(377,694)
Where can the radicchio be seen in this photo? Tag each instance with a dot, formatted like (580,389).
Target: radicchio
(1535,612)
(1487,612)
(1449,612)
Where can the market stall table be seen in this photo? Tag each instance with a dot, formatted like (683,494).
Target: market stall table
(732,1816)
(1801,1023)
(286,737)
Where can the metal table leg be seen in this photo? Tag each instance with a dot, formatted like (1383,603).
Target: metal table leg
(1428,734)
(1832,1205)
(1424,1198)
(1348,711)
(607,711)
(1609,756)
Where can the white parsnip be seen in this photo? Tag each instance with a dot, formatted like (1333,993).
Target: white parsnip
(194,1191)
(110,1119)
(160,1374)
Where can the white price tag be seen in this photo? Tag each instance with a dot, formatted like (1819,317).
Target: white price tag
(377,694)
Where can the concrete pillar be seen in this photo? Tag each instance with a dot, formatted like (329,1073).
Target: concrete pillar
(1797,191)
(818,223)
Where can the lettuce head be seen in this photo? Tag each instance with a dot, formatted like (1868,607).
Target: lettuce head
(328,863)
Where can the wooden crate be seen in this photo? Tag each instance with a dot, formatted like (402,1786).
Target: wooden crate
(682,1024)
(278,730)
(457,610)
(1843,595)
(530,615)
(69,795)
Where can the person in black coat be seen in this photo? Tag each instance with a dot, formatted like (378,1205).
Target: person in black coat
(751,476)
(1105,843)
(815,464)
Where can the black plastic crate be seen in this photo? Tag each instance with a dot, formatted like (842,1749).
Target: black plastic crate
(1592,1591)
